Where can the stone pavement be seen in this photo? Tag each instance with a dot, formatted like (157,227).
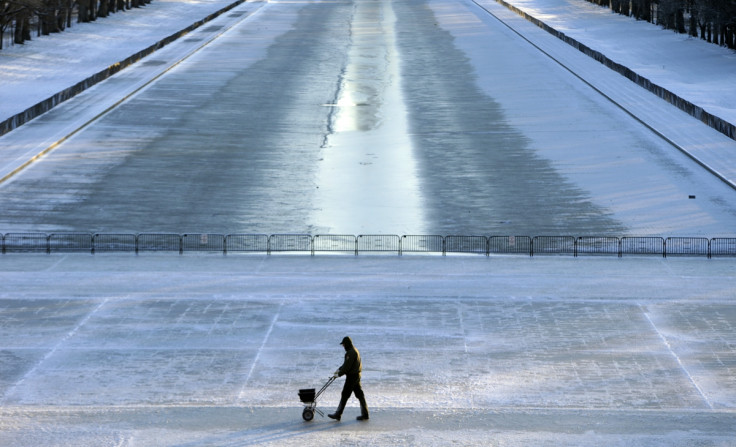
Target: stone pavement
(192,350)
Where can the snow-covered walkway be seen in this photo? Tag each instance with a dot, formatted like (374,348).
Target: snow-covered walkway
(697,71)
(48,65)
(465,350)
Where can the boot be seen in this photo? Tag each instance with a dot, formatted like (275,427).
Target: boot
(363,408)
(340,408)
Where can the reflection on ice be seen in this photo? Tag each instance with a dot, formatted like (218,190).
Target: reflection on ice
(368,173)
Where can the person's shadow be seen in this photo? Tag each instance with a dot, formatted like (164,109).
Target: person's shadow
(269,433)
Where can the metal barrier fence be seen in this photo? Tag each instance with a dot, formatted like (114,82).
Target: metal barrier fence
(366,243)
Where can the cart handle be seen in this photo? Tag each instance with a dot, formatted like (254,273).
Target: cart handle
(324,387)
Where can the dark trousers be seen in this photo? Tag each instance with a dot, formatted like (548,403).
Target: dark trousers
(352,385)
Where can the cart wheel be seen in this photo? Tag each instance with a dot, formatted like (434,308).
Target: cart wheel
(308,414)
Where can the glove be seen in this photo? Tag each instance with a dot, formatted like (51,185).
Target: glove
(336,374)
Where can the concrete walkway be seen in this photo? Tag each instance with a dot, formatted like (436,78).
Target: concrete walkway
(211,350)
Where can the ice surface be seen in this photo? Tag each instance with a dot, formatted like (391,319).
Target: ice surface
(369,138)
(218,152)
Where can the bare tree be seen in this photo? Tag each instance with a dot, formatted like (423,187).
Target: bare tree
(54,15)
(17,14)
(8,11)
(712,20)
(642,9)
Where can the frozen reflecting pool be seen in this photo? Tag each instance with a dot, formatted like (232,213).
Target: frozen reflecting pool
(361,117)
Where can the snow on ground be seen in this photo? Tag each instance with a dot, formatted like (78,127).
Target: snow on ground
(46,65)
(694,69)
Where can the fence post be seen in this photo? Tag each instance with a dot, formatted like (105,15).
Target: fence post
(531,247)
(664,247)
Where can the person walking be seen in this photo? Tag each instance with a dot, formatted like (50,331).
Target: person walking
(351,369)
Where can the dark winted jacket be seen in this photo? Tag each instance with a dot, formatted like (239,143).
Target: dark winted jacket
(352,364)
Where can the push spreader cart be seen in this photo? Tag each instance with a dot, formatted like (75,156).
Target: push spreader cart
(309,398)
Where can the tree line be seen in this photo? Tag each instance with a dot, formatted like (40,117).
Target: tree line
(22,18)
(711,20)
